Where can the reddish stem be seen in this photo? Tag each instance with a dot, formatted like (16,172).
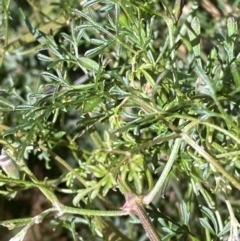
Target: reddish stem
(134,204)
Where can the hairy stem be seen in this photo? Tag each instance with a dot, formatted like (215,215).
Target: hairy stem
(134,204)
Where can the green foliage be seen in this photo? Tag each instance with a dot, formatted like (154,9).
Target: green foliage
(103,99)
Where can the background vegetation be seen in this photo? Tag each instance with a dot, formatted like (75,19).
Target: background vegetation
(110,106)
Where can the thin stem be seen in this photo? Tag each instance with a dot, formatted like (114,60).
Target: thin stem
(78,211)
(171,34)
(201,151)
(148,199)
(234,222)
(199,122)
(199,71)
(124,7)
(6,29)
(35,220)
(62,162)
(58,206)
(70,169)
(154,142)
(44,189)
(6,5)
(227,154)
(211,160)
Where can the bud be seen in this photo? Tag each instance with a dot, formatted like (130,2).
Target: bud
(8,165)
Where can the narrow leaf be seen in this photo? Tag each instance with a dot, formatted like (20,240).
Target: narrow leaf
(89,64)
